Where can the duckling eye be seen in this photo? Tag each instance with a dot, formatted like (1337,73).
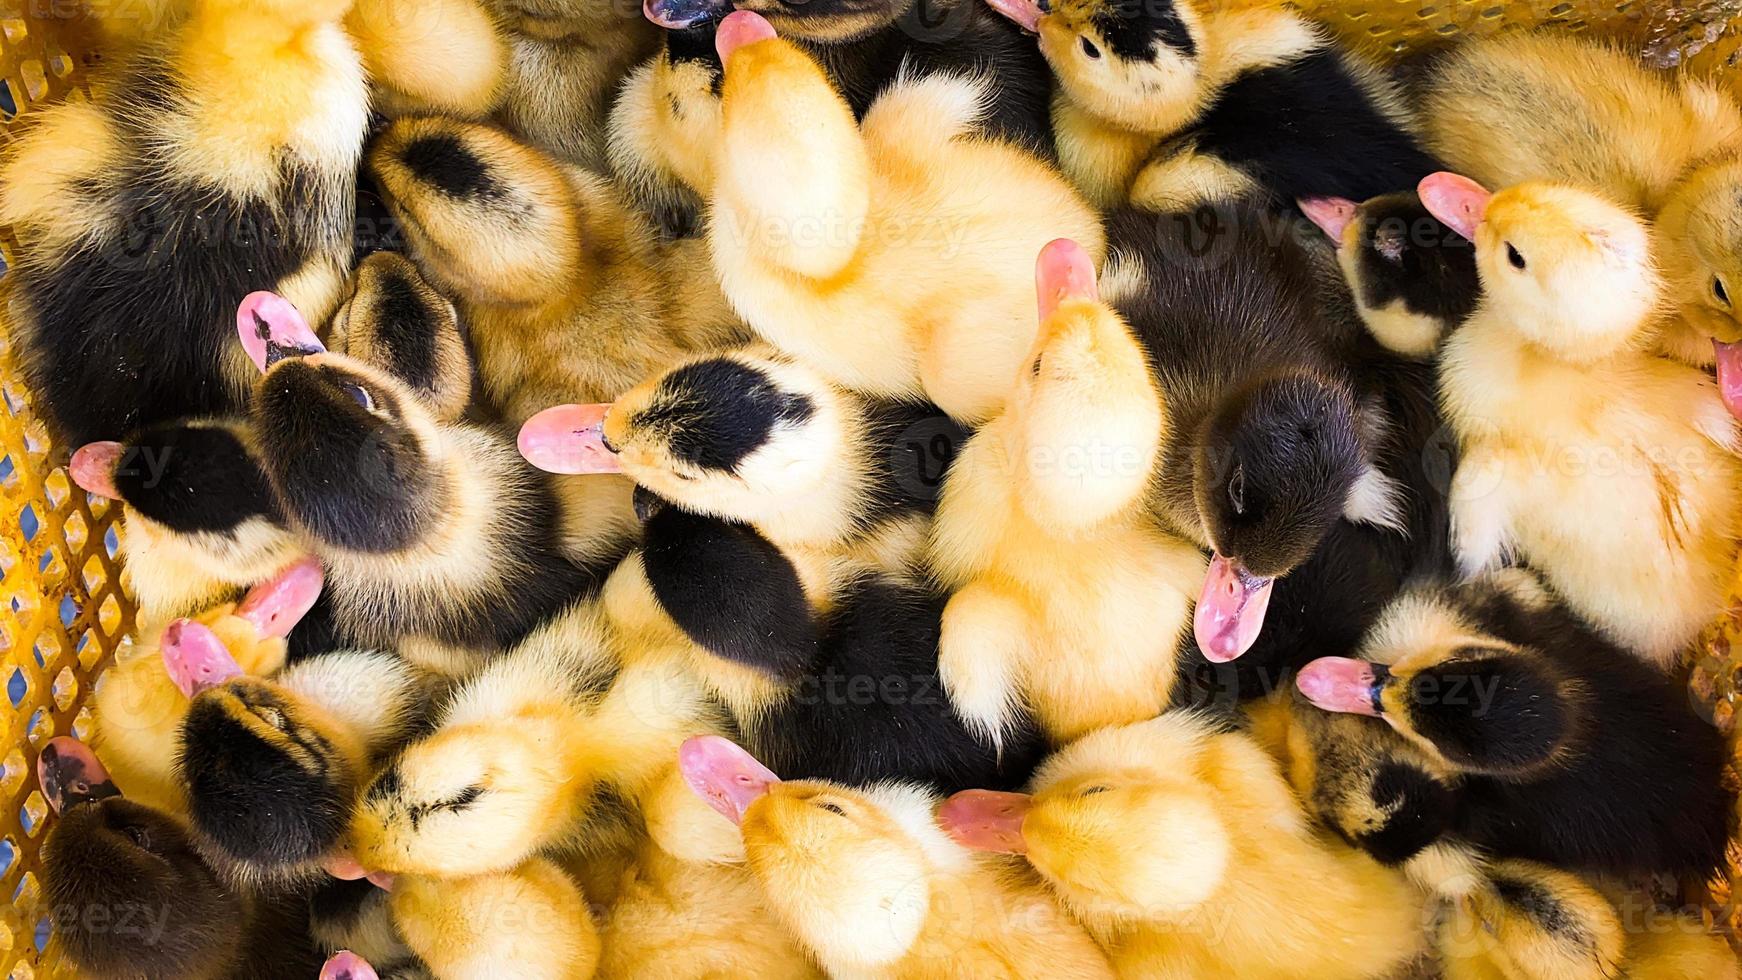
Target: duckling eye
(1237,489)
(362,396)
(1092,790)
(1513,257)
(140,837)
(833,808)
(1090,49)
(273,717)
(1034,370)
(1719,293)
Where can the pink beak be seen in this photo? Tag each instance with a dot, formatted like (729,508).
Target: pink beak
(728,778)
(983,820)
(1230,612)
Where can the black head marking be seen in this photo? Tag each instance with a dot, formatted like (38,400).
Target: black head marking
(446,163)
(273,800)
(194,478)
(714,413)
(1136,29)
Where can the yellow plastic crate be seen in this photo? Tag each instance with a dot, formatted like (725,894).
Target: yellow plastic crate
(67,611)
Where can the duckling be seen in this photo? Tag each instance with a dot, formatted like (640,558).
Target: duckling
(817,223)
(436,537)
(457,927)
(872,886)
(1296,449)
(1413,279)
(1525,921)
(1529,715)
(1065,596)
(200,520)
(139,708)
(1182,850)
(572,299)
(1167,105)
(221,158)
(394,319)
(273,767)
(566,60)
(1543,106)
(675,919)
(550,749)
(132,898)
(813,503)
(1612,471)
(664,130)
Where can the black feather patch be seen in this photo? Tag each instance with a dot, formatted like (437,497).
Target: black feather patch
(730,590)
(716,412)
(446,163)
(194,478)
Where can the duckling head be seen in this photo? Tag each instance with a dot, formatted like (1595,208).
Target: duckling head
(1278,464)
(1486,708)
(395,320)
(271,777)
(129,893)
(194,490)
(849,871)
(1570,271)
(740,435)
(469,799)
(485,215)
(1084,413)
(1138,65)
(1413,278)
(1699,242)
(1090,835)
(350,452)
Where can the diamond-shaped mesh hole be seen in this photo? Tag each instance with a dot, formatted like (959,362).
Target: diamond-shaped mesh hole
(77,530)
(109,615)
(31,813)
(58,488)
(41,727)
(17,687)
(66,688)
(93,574)
(28,523)
(51,568)
(12,772)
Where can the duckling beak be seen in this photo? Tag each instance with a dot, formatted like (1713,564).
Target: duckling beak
(1729,377)
(272,329)
(1230,611)
(1331,214)
(741,27)
(1458,202)
(278,604)
(70,774)
(1063,271)
(344,866)
(983,820)
(93,468)
(1025,13)
(677,15)
(569,439)
(195,658)
(725,776)
(346,965)
(1344,685)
